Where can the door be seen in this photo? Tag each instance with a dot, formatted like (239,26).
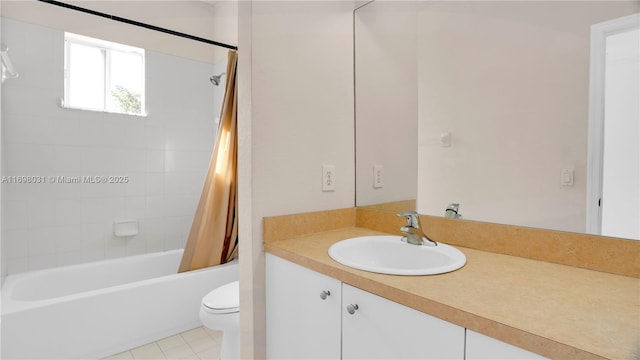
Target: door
(613,186)
(382,329)
(303,312)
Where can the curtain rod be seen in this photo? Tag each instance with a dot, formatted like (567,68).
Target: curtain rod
(137,23)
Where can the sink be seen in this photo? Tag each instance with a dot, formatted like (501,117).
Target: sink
(391,255)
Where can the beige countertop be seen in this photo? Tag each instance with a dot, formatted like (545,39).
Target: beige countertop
(558,311)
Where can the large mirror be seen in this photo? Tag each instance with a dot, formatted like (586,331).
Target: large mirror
(487,105)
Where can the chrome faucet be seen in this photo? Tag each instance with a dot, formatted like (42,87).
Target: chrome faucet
(413,230)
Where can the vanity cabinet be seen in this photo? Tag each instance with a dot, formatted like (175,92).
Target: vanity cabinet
(309,316)
(314,316)
(480,346)
(303,312)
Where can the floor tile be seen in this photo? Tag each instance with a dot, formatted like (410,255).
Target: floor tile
(180,352)
(199,343)
(203,344)
(194,334)
(171,342)
(149,351)
(121,356)
(209,355)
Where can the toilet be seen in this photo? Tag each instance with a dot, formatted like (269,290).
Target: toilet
(220,310)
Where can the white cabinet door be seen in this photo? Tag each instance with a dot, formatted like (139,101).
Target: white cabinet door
(300,323)
(483,347)
(383,329)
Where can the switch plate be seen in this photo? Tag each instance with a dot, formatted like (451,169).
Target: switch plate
(378,179)
(567,177)
(328,178)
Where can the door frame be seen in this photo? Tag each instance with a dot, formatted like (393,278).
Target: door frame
(595,141)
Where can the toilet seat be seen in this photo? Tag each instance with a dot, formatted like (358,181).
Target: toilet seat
(223,300)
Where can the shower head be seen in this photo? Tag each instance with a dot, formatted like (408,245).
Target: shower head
(215,79)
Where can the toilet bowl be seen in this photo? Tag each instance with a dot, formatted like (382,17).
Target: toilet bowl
(220,310)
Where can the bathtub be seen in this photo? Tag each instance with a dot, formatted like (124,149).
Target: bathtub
(98,309)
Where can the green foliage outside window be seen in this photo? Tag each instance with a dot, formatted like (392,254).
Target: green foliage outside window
(127,101)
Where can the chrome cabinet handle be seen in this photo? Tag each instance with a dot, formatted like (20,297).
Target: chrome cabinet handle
(324,294)
(351,308)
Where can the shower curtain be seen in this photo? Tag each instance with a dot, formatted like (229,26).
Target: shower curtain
(213,238)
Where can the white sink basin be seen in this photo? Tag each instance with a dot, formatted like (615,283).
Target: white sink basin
(391,255)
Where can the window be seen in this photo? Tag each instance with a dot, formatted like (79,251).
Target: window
(103,76)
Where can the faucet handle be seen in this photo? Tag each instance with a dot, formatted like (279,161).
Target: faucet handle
(413,218)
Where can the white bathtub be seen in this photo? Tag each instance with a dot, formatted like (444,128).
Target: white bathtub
(97,309)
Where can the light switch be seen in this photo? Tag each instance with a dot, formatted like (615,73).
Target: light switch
(567,177)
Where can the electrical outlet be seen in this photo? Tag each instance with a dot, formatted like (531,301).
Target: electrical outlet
(328,177)
(378,176)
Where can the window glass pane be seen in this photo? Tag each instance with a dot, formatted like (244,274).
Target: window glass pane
(86,77)
(127,85)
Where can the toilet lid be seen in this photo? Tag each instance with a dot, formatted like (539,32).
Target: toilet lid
(223,300)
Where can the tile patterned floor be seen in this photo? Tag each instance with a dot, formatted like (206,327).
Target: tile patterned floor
(196,344)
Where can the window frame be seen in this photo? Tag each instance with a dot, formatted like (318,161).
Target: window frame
(106,48)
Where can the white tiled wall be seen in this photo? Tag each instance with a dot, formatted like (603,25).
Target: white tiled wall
(165,155)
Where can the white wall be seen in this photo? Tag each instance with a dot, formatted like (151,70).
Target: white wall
(225,27)
(302,105)
(301,116)
(386,101)
(165,155)
(510,81)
